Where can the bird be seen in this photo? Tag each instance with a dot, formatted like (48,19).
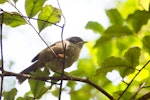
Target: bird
(52,56)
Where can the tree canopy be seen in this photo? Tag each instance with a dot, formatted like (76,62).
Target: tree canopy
(122,47)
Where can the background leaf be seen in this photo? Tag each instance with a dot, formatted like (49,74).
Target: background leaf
(118,31)
(25,98)
(95,26)
(146,43)
(114,16)
(13,19)
(125,65)
(110,64)
(32,7)
(48,16)
(10,95)
(132,56)
(38,87)
(138,19)
(3,1)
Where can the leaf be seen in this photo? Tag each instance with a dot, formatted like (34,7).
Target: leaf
(38,87)
(12,19)
(81,94)
(110,64)
(15,1)
(90,68)
(32,7)
(95,26)
(10,95)
(138,19)
(125,65)
(71,85)
(146,43)
(3,1)
(111,32)
(25,98)
(132,56)
(118,31)
(102,40)
(104,51)
(48,16)
(126,42)
(114,16)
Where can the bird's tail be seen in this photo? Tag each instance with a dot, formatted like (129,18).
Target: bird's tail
(28,70)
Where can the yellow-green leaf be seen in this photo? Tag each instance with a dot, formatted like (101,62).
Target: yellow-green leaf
(32,7)
(49,15)
(95,26)
(114,16)
(12,19)
(3,1)
(10,95)
(146,43)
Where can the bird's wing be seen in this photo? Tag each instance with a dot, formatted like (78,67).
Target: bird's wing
(35,58)
(48,53)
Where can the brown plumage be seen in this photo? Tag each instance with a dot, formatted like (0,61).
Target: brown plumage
(54,62)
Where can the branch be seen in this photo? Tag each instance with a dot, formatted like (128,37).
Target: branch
(133,79)
(139,89)
(145,97)
(64,77)
(1,48)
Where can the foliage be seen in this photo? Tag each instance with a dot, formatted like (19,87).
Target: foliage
(123,46)
(47,15)
(10,95)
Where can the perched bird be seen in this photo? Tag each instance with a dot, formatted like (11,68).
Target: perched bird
(52,56)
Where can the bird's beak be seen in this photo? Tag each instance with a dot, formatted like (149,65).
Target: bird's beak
(85,41)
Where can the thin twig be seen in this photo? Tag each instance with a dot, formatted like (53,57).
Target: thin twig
(1,47)
(133,79)
(139,89)
(64,49)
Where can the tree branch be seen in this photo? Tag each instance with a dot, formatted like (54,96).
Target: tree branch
(145,97)
(1,48)
(133,79)
(64,77)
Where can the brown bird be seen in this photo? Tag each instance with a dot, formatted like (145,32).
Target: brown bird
(52,56)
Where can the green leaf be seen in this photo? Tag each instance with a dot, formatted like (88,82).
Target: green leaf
(125,65)
(95,26)
(138,19)
(48,16)
(113,31)
(10,95)
(32,7)
(114,16)
(26,98)
(102,40)
(3,1)
(104,51)
(112,63)
(56,92)
(15,1)
(118,31)
(90,68)
(146,43)
(72,85)
(38,87)
(126,42)
(81,94)
(12,19)
(132,56)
